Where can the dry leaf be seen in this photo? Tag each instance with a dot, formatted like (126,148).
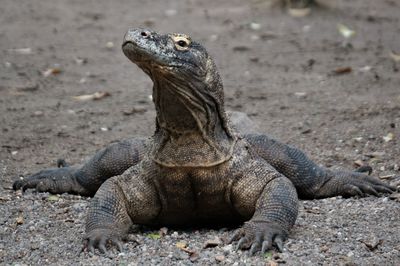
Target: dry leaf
(387,176)
(345,31)
(395,197)
(20,220)
(181,244)
(365,69)
(241,48)
(53,198)
(271,263)
(23,51)
(395,56)
(342,70)
(163,231)
(51,71)
(313,210)
(300,94)
(154,236)
(375,154)
(109,45)
(359,163)
(388,137)
(220,258)
(80,60)
(212,243)
(5,198)
(188,251)
(134,110)
(372,245)
(299,12)
(255,26)
(324,248)
(170,12)
(94,96)
(194,256)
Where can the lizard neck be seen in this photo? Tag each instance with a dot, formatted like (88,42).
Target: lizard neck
(191,127)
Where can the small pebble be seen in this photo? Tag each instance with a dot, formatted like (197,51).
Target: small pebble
(109,45)
(170,12)
(255,26)
(220,258)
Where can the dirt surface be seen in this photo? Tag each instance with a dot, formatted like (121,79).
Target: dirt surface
(276,68)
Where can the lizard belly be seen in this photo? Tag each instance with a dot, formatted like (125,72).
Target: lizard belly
(195,196)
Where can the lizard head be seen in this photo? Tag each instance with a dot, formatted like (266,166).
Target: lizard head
(188,91)
(188,97)
(168,55)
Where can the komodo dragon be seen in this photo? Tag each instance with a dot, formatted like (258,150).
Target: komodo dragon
(196,168)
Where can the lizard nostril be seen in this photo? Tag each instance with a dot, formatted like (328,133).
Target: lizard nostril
(144,34)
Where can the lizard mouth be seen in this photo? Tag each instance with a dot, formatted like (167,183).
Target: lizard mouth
(143,59)
(134,52)
(147,60)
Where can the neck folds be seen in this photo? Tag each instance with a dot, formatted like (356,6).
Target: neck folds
(192,129)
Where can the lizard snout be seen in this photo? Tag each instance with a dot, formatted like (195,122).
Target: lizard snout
(136,36)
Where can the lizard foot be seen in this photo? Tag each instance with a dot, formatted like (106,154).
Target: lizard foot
(53,180)
(259,236)
(100,238)
(349,184)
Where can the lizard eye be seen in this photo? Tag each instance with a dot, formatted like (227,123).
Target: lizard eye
(182,42)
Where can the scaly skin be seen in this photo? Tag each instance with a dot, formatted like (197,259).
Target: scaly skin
(196,168)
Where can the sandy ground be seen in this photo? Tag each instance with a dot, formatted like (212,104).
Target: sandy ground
(276,68)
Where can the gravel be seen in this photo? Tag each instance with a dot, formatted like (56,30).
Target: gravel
(331,231)
(279,72)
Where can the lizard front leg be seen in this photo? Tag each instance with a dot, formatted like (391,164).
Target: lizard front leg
(120,202)
(85,180)
(275,213)
(311,180)
(108,218)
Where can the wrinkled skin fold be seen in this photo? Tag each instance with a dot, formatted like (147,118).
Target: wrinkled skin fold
(198,167)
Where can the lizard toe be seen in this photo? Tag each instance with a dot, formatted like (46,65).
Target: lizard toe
(236,236)
(367,189)
(62,163)
(350,190)
(364,169)
(256,246)
(103,240)
(260,236)
(374,182)
(279,242)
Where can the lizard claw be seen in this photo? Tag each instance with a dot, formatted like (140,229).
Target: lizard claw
(259,236)
(62,163)
(236,236)
(99,239)
(364,169)
(350,184)
(358,184)
(53,180)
